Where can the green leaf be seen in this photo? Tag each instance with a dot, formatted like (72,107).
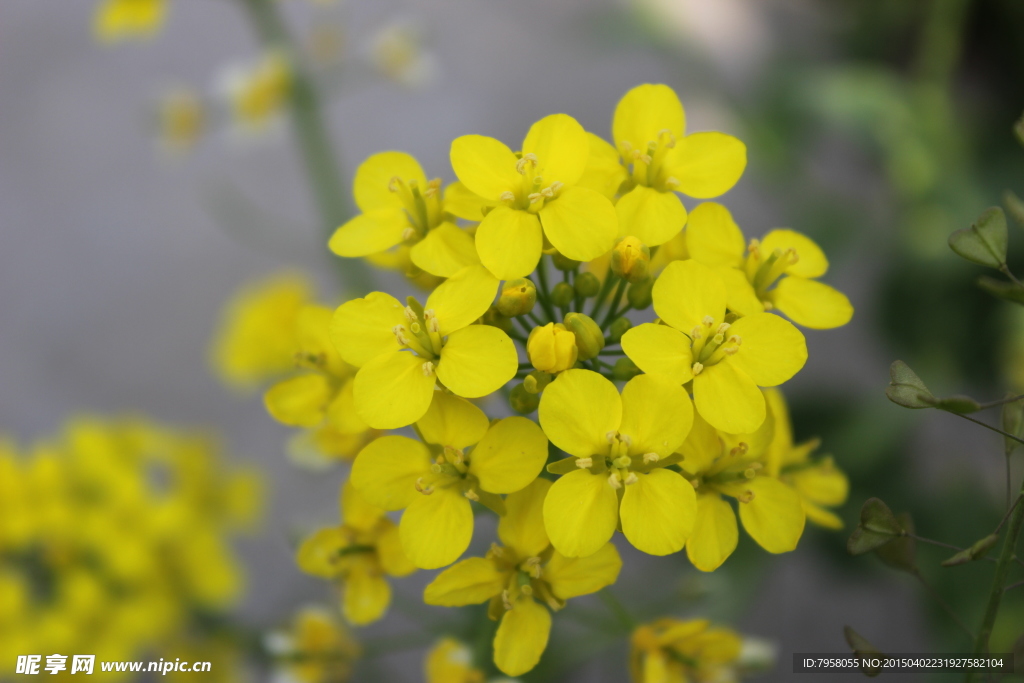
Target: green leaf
(1014,206)
(984,242)
(906,388)
(958,404)
(975,552)
(1010,291)
(861,646)
(901,553)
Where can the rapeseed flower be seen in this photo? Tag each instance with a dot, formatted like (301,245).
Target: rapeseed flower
(676,651)
(776,272)
(403,351)
(315,649)
(434,479)
(522,579)
(725,361)
(535,197)
(616,476)
(116,20)
(357,555)
(400,206)
(256,93)
(451,662)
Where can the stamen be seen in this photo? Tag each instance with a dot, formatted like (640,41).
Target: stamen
(471,494)
(614,480)
(708,320)
(529,157)
(535,197)
(723,328)
(611,436)
(506,196)
(505,599)
(411,314)
(631,479)
(584,463)
(793,256)
(399,332)
(745,497)
(425,489)
(695,333)
(666,133)
(651,458)
(395,184)
(697,369)
(433,187)
(671,182)
(736,339)
(408,234)
(739,449)
(428,369)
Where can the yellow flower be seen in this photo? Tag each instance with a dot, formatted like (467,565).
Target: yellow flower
(116,20)
(726,362)
(720,464)
(515,576)
(399,206)
(775,272)
(357,554)
(435,480)
(181,119)
(256,94)
(552,348)
(451,662)
(648,131)
(256,340)
(620,446)
(536,196)
(317,649)
(819,483)
(675,651)
(402,352)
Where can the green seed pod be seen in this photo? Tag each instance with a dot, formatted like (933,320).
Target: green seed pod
(522,401)
(517,297)
(587,284)
(562,294)
(564,263)
(639,294)
(589,338)
(618,328)
(625,369)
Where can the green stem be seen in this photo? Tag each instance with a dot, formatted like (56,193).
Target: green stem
(943,604)
(624,617)
(987,426)
(544,291)
(315,144)
(616,300)
(606,288)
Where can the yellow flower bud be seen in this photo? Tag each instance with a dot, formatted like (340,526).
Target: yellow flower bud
(517,297)
(640,294)
(631,259)
(618,328)
(589,338)
(552,348)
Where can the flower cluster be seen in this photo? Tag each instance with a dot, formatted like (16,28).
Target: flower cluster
(541,264)
(114,541)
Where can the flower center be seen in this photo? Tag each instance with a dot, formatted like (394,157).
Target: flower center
(421,333)
(423,207)
(533,190)
(646,163)
(711,343)
(763,270)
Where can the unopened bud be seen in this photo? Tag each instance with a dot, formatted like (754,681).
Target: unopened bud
(587,285)
(624,369)
(562,294)
(639,294)
(536,381)
(495,318)
(517,297)
(563,262)
(618,328)
(523,401)
(552,348)
(631,259)
(589,338)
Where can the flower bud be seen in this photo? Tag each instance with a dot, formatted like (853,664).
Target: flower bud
(564,262)
(562,294)
(552,348)
(587,284)
(494,318)
(536,381)
(522,401)
(589,338)
(631,259)
(639,294)
(618,328)
(517,297)
(624,369)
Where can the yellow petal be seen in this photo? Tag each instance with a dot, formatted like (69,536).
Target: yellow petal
(580,513)
(728,399)
(652,217)
(469,582)
(341,413)
(643,113)
(477,360)
(299,401)
(578,410)
(510,456)
(393,559)
(742,299)
(713,237)
(686,292)
(658,511)
(485,165)
(660,350)
(356,511)
(509,242)
(707,164)
(715,533)
(462,298)
(604,173)
(811,304)
(385,472)
(393,390)
(362,328)
(318,554)
(656,415)
(119,19)
(372,184)
(772,350)
(436,528)
(521,637)
(462,202)
(702,447)
(811,260)
(561,147)
(369,233)
(822,517)
(823,485)
(444,251)
(452,421)
(780,448)
(522,527)
(774,517)
(366,596)
(450,662)
(570,577)
(580,223)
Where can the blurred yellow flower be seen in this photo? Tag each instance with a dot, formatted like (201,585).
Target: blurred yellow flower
(256,93)
(116,20)
(451,662)
(181,119)
(316,649)
(675,651)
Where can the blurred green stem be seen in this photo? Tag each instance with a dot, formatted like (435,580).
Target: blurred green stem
(315,145)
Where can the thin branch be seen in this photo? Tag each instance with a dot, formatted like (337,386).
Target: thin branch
(986,426)
(945,606)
